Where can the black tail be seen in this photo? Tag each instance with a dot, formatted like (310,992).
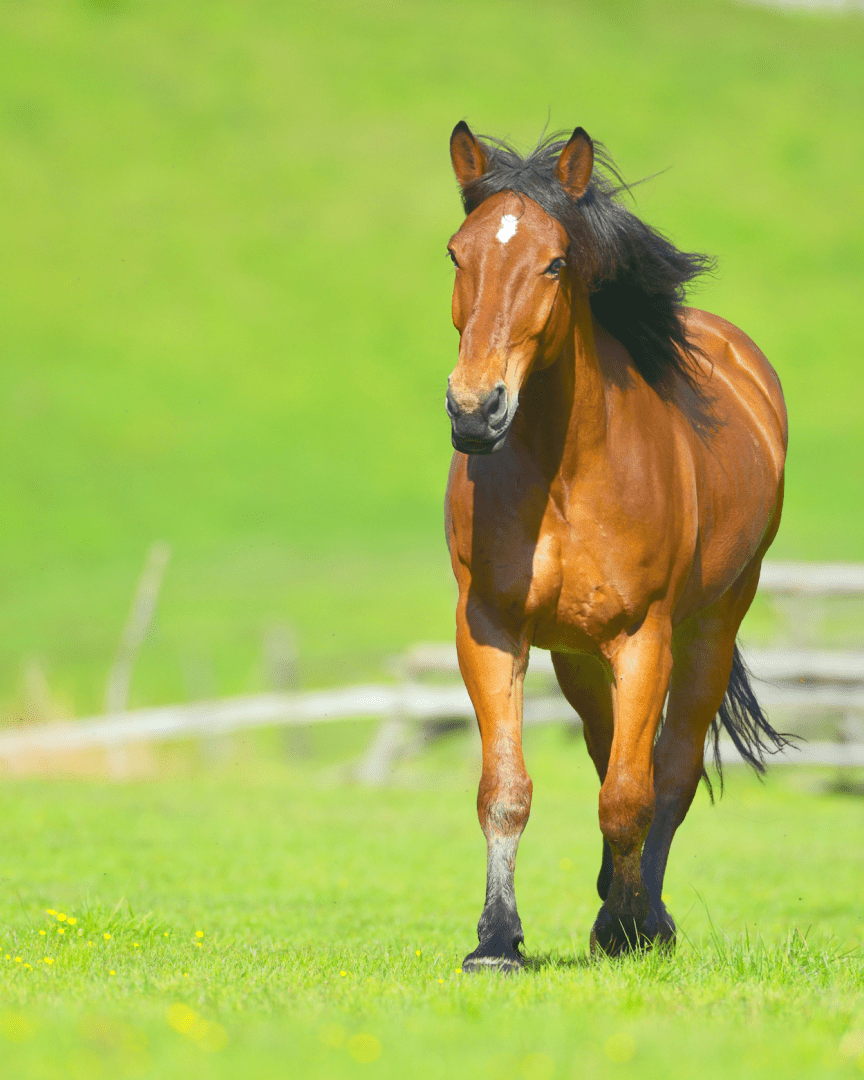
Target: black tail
(747,726)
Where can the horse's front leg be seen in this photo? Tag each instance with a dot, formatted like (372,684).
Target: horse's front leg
(493,673)
(642,669)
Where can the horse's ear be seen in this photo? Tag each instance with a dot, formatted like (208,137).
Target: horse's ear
(466,153)
(575,164)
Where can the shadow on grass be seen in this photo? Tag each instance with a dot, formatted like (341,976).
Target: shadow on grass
(556,962)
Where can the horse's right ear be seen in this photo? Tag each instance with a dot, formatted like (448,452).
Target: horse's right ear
(575,164)
(466,153)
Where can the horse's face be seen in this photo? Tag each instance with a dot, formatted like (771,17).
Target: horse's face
(511,306)
(512,296)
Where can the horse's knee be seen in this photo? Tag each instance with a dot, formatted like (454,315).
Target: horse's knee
(626,812)
(504,803)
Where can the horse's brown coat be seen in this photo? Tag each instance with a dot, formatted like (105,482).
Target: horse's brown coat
(611,529)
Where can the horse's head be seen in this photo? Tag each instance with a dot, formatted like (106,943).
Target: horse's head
(512,296)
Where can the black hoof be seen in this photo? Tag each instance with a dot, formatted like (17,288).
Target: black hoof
(490,958)
(615,936)
(660,927)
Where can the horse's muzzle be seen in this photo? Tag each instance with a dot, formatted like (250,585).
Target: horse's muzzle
(483,428)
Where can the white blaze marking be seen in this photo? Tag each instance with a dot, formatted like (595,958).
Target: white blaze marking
(508,228)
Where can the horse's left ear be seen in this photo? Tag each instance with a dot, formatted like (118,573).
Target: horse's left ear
(466,153)
(575,164)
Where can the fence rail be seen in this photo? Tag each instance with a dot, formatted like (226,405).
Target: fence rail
(407,703)
(812,579)
(797,678)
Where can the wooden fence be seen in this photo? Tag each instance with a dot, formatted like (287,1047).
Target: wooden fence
(413,710)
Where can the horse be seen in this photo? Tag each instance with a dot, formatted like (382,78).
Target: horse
(617,479)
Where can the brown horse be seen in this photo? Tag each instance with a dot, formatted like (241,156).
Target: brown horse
(617,481)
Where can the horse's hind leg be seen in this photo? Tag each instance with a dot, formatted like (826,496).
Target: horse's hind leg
(587,686)
(642,665)
(702,650)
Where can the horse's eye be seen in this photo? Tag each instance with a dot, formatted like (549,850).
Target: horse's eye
(452,258)
(554,268)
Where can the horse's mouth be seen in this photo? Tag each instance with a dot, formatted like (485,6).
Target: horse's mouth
(466,444)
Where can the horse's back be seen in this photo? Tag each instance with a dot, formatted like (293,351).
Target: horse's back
(739,375)
(738,467)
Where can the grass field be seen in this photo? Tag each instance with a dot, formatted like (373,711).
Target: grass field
(225,311)
(257,928)
(225,301)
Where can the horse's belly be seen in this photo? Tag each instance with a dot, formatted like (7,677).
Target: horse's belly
(558,635)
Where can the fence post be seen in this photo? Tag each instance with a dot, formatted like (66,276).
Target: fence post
(133,637)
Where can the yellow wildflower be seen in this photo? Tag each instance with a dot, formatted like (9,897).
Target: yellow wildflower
(29,967)
(107,936)
(135,945)
(18,960)
(188,1022)
(71,921)
(112,972)
(620,1048)
(60,930)
(50,911)
(417,952)
(343,974)
(199,933)
(364,1048)
(48,960)
(43,932)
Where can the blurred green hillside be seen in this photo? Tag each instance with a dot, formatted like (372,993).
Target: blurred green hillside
(225,301)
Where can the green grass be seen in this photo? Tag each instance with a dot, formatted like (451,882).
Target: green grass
(293,879)
(225,303)
(225,310)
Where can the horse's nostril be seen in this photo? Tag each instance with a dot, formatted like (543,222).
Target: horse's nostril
(453,410)
(495,405)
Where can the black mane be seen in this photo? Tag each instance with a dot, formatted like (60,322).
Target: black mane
(636,279)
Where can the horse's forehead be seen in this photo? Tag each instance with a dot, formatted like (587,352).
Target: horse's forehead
(509,219)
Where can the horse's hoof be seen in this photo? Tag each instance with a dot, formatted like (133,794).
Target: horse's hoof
(614,936)
(604,943)
(487,960)
(660,929)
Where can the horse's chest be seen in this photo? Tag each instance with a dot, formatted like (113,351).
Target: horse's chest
(573,602)
(551,580)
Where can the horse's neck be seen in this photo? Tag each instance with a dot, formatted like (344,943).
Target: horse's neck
(564,405)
